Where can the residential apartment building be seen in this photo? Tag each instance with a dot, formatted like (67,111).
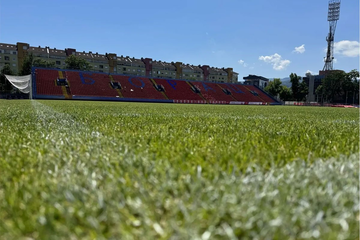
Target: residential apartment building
(14,55)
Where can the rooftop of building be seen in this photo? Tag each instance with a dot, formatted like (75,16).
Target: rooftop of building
(130,61)
(192,67)
(161,64)
(91,55)
(255,77)
(8,46)
(215,70)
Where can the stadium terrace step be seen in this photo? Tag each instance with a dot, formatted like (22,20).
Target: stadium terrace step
(198,91)
(159,88)
(178,89)
(118,89)
(138,87)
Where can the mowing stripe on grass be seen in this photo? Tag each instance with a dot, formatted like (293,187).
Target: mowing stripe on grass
(57,126)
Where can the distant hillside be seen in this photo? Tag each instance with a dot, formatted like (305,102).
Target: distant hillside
(286,82)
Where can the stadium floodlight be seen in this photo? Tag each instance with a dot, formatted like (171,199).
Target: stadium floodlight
(334,11)
(333,16)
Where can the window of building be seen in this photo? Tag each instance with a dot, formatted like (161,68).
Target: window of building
(14,53)
(14,59)
(14,65)
(124,68)
(24,47)
(133,70)
(58,63)
(101,66)
(7,58)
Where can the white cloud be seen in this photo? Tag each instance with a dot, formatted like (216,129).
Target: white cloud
(308,71)
(300,49)
(347,48)
(276,60)
(243,63)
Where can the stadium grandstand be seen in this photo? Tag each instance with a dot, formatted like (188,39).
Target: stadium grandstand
(119,78)
(82,85)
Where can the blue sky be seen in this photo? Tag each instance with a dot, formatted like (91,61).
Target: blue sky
(253,37)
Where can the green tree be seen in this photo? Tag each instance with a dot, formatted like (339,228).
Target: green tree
(335,86)
(26,65)
(77,63)
(303,91)
(352,87)
(42,63)
(295,85)
(299,88)
(353,75)
(274,87)
(5,85)
(285,93)
(319,91)
(30,62)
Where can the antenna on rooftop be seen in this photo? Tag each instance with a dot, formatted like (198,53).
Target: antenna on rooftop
(333,16)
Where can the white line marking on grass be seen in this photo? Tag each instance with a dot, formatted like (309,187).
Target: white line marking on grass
(56,125)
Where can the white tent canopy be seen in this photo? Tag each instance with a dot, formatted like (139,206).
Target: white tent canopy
(23,83)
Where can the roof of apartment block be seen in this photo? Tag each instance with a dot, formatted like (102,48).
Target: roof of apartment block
(163,65)
(8,46)
(217,71)
(134,62)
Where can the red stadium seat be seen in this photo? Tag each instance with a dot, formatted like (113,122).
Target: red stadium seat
(137,87)
(213,92)
(178,90)
(46,82)
(90,84)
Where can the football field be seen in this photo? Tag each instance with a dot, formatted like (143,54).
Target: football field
(113,170)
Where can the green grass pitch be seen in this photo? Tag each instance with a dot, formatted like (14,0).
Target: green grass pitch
(111,170)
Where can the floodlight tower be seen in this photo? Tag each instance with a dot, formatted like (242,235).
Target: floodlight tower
(333,16)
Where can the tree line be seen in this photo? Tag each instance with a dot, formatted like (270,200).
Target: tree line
(336,87)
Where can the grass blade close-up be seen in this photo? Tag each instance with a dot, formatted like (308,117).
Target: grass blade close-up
(114,170)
